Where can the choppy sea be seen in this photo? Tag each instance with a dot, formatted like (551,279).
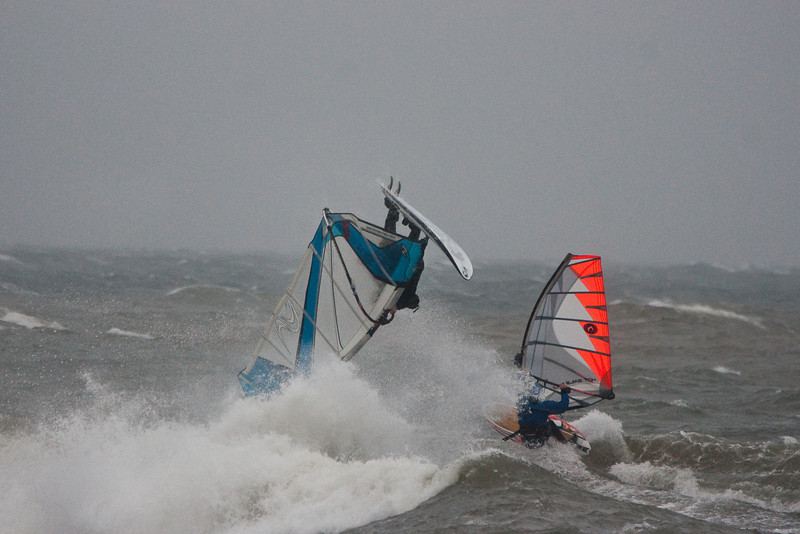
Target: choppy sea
(120,409)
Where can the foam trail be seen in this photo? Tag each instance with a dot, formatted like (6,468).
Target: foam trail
(703,309)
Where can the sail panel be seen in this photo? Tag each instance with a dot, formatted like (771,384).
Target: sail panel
(567,338)
(351,274)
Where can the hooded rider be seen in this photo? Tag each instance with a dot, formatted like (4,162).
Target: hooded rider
(533,415)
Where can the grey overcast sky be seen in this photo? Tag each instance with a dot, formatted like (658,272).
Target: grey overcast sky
(642,131)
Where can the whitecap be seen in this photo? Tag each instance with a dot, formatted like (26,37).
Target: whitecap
(703,309)
(680,403)
(202,286)
(28,321)
(727,371)
(789,440)
(10,259)
(128,333)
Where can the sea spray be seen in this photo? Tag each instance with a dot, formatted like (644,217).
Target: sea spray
(439,377)
(324,455)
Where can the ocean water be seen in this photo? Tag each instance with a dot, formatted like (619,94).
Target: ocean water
(120,410)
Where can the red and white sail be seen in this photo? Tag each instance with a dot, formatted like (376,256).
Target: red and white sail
(567,338)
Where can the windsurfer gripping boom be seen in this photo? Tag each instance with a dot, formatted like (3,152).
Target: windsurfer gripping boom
(535,426)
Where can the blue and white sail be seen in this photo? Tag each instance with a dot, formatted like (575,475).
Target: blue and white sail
(347,283)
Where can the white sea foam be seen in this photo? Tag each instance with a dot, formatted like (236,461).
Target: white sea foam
(128,333)
(330,452)
(202,286)
(326,455)
(601,427)
(703,309)
(675,488)
(727,371)
(28,321)
(684,482)
(680,403)
(789,440)
(10,259)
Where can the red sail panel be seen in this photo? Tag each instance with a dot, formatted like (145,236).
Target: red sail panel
(589,270)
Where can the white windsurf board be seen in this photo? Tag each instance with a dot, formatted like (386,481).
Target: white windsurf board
(447,244)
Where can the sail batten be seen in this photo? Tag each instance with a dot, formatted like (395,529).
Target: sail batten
(567,347)
(545,318)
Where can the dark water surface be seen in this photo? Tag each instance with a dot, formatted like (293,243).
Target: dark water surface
(120,409)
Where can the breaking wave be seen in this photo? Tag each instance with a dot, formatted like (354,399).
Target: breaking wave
(325,455)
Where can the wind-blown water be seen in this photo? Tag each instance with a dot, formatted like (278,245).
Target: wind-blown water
(120,409)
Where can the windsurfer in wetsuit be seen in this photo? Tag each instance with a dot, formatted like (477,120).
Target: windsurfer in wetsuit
(533,416)
(409,298)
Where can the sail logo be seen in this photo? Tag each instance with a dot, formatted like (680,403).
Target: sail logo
(288,320)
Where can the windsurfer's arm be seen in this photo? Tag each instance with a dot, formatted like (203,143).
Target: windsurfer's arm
(559,406)
(390,225)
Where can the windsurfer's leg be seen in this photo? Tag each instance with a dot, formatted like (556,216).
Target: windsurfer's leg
(534,437)
(409,298)
(414,230)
